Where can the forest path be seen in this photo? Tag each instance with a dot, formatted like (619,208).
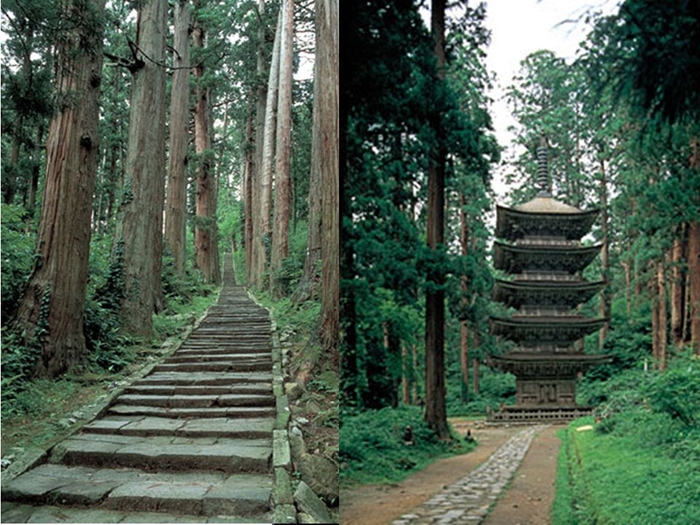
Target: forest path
(190,442)
(461,489)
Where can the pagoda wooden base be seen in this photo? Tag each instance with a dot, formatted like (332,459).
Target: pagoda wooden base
(533,414)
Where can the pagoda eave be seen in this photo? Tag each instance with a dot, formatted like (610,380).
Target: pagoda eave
(545,293)
(516,259)
(538,366)
(554,330)
(512,224)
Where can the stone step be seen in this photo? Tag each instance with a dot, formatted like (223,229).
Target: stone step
(135,490)
(170,389)
(228,412)
(248,365)
(185,357)
(210,349)
(246,428)
(164,453)
(197,401)
(205,378)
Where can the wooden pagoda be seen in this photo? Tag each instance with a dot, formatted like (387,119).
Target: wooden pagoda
(539,248)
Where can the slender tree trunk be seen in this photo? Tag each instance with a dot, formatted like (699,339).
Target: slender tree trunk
(694,283)
(476,375)
(604,254)
(663,314)
(655,339)
(248,185)
(206,245)
(51,312)
(142,225)
(283,151)
(436,413)
(464,327)
(176,205)
(678,288)
(261,233)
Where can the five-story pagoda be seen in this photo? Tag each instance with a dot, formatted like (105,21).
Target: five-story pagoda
(539,246)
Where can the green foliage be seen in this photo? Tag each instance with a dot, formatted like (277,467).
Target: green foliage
(620,478)
(372,447)
(17,257)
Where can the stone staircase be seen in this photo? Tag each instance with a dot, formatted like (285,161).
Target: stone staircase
(190,442)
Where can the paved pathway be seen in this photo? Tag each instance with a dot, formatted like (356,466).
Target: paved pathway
(190,442)
(467,501)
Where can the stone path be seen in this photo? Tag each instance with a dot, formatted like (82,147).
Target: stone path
(192,441)
(467,501)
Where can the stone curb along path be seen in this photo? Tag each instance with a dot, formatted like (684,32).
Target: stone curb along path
(468,501)
(201,438)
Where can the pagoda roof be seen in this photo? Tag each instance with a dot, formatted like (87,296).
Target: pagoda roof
(560,330)
(545,293)
(550,366)
(543,216)
(543,258)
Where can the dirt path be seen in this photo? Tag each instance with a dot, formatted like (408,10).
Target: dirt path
(529,498)
(380,504)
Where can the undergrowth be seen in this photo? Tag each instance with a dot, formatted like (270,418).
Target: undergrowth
(373,449)
(640,461)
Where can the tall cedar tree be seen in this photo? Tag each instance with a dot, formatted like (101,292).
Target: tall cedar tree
(435,410)
(144,194)
(283,151)
(206,246)
(176,204)
(51,312)
(325,161)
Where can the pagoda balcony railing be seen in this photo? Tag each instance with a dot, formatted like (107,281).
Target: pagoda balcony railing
(546,241)
(546,276)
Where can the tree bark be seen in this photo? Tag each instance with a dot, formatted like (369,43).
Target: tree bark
(51,311)
(283,150)
(604,254)
(176,205)
(436,413)
(326,160)
(206,245)
(261,228)
(464,327)
(142,224)
(678,287)
(694,283)
(248,184)
(663,313)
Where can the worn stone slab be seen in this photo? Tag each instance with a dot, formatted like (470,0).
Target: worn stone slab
(241,495)
(282,494)
(283,412)
(223,426)
(83,493)
(15,512)
(245,400)
(309,503)
(204,378)
(281,454)
(285,514)
(51,514)
(108,425)
(174,401)
(152,426)
(183,498)
(231,412)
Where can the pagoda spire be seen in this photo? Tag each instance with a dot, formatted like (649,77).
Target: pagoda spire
(542,172)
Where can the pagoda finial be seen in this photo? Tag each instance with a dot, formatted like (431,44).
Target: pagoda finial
(542,176)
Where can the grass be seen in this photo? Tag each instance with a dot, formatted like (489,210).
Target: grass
(612,479)
(372,447)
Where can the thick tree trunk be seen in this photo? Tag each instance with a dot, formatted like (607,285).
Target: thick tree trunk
(261,228)
(283,150)
(142,225)
(206,245)
(436,414)
(51,312)
(694,283)
(326,160)
(176,205)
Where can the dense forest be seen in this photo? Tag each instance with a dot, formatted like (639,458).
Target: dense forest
(622,128)
(140,141)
